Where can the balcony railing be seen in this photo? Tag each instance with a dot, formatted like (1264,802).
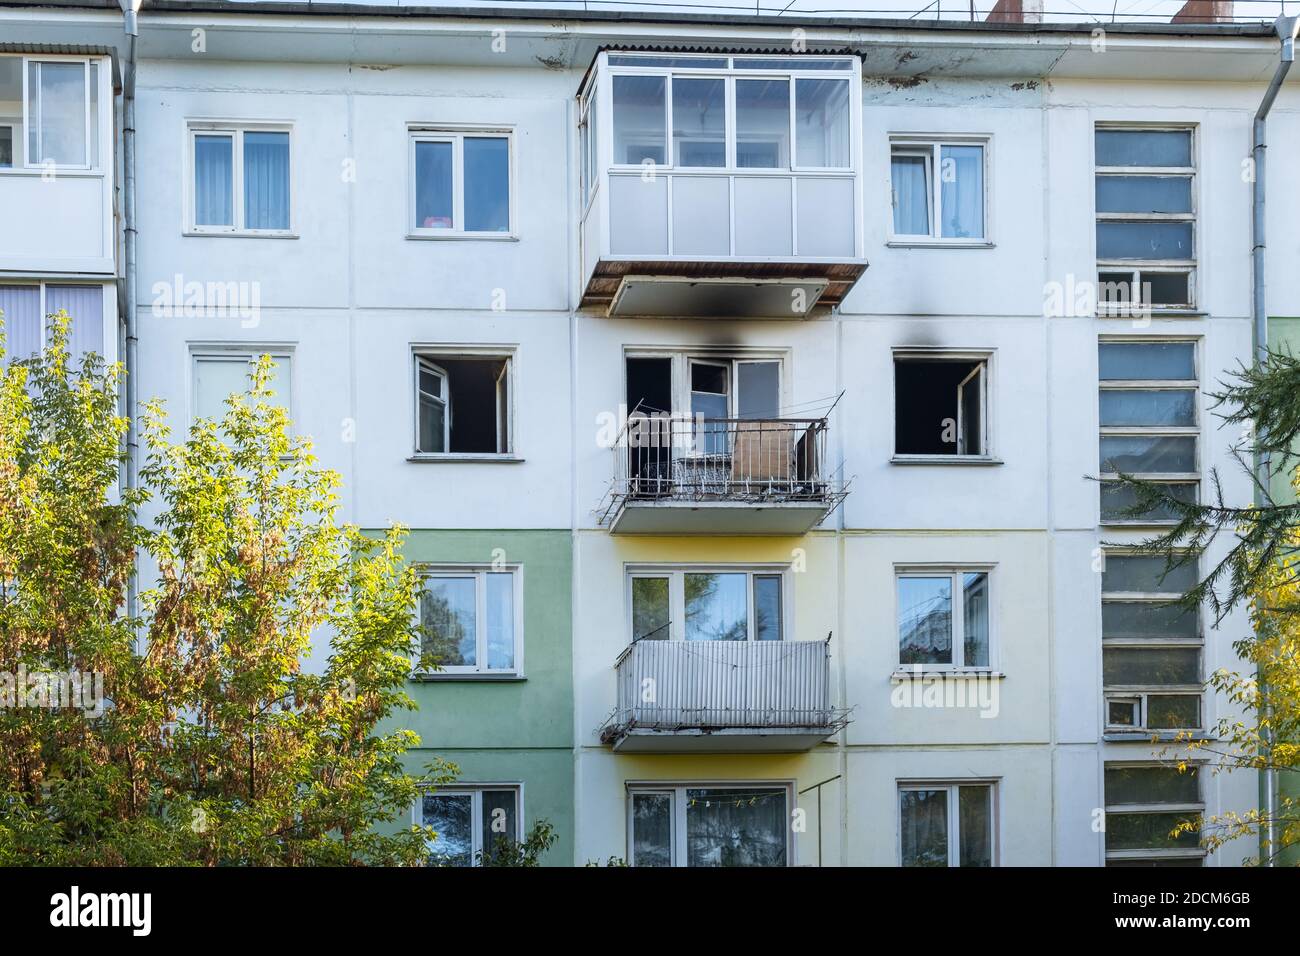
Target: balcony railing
(723,695)
(718,476)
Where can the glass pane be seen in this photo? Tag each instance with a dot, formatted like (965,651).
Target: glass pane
(93,85)
(58,106)
(1147,831)
(650,609)
(452,817)
(1175,861)
(767,607)
(763,124)
(759,389)
(652,829)
(1146,361)
(975,826)
(11,90)
(709,390)
(433,201)
(961,192)
(733,827)
(6,146)
(487,184)
(500,620)
(1121,713)
(925,620)
(687,62)
(447,621)
(433,425)
(500,821)
(821,133)
(1134,454)
(976,619)
(639,119)
(213,181)
(699,122)
(1146,573)
(789,63)
(1140,406)
(1116,499)
(969,396)
(1150,665)
(909,176)
(1139,619)
(1144,194)
(1144,240)
(923,819)
(1165,288)
(1130,147)
(216,379)
(1150,785)
(716,607)
(1173,712)
(266,180)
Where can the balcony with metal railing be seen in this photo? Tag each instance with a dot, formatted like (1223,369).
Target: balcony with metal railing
(678,475)
(721,185)
(723,696)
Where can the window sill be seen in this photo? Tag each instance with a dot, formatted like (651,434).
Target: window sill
(898,676)
(466,459)
(70,172)
(444,236)
(1172,312)
(1145,736)
(923,243)
(239,234)
(453,676)
(945,460)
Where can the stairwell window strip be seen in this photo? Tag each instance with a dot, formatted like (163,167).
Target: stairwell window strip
(471,621)
(1145,198)
(1148,410)
(1151,647)
(938,190)
(708,604)
(947,824)
(471,823)
(1144,803)
(945,619)
(240,182)
(461,183)
(710,824)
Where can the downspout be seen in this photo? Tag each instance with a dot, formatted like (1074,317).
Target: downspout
(1286,31)
(129,10)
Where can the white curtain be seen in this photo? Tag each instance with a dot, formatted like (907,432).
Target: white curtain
(213,181)
(961,192)
(266,180)
(911,196)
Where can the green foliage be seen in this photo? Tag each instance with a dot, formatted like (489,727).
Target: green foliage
(526,852)
(214,746)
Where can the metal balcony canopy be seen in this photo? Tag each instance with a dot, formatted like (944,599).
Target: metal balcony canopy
(715,297)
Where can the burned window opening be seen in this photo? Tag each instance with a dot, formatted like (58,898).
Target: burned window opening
(939,406)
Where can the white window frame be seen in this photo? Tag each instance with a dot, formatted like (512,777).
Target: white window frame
(1137,266)
(456,135)
(1140,694)
(479,573)
(954,815)
(236,129)
(281,354)
(677,791)
(955,573)
(429,354)
(1152,431)
(1175,853)
(985,373)
(931,146)
(475,790)
(91,129)
(676,574)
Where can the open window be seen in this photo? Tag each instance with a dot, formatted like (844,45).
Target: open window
(940,406)
(463,404)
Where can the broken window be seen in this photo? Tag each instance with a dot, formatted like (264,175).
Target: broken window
(462,405)
(939,406)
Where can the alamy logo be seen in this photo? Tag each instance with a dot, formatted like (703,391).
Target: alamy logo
(103,909)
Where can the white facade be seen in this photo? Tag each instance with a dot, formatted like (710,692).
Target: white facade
(350,291)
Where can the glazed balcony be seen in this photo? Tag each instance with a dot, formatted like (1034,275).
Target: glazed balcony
(721,186)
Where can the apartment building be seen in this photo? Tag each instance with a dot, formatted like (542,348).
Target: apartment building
(745,384)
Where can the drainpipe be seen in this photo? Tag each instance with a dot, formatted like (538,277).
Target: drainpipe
(1286,28)
(129,10)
